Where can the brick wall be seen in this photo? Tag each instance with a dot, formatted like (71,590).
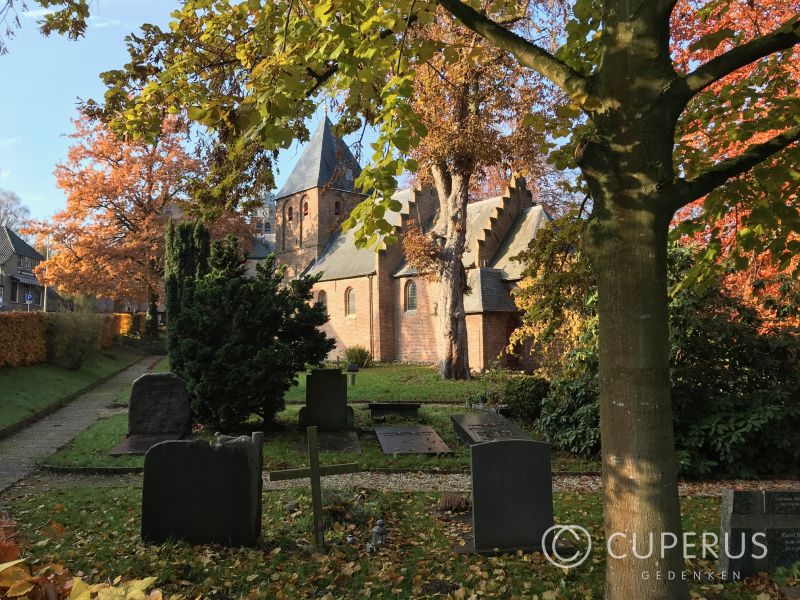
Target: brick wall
(416,330)
(348,330)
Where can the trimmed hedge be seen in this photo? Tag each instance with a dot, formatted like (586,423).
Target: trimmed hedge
(26,336)
(22,339)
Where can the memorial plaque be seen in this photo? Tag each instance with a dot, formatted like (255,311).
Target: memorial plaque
(203,493)
(408,410)
(410,440)
(477,428)
(326,401)
(159,411)
(774,516)
(512,495)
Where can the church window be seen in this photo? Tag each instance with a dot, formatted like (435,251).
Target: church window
(267,227)
(350,302)
(337,208)
(290,214)
(305,209)
(411,296)
(323,299)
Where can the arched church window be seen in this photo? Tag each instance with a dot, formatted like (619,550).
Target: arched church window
(337,208)
(322,298)
(305,209)
(411,296)
(290,214)
(350,302)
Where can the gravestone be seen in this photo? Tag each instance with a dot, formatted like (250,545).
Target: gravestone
(477,428)
(512,495)
(410,440)
(203,493)
(159,410)
(775,515)
(326,401)
(407,410)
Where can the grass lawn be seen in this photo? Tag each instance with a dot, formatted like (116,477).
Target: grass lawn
(95,532)
(399,383)
(27,390)
(124,397)
(283,450)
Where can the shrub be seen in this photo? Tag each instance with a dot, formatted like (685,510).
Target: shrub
(72,337)
(22,339)
(242,340)
(358,355)
(524,394)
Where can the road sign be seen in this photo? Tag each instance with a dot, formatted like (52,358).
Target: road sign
(29,298)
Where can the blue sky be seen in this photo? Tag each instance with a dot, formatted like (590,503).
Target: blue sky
(42,79)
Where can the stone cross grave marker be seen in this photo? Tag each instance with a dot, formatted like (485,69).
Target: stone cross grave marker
(314,472)
(773,514)
(512,495)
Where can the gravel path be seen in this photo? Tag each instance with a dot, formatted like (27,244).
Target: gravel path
(20,453)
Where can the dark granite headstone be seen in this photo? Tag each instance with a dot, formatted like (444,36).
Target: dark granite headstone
(203,493)
(410,440)
(476,428)
(408,410)
(773,514)
(159,411)
(326,401)
(512,495)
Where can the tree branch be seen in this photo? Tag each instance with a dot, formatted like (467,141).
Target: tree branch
(783,38)
(685,191)
(528,54)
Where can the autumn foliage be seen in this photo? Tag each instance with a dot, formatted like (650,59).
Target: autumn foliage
(22,339)
(109,241)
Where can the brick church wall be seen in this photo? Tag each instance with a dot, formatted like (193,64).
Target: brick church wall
(347,330)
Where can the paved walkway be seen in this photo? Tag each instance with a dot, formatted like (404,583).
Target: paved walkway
(20,453)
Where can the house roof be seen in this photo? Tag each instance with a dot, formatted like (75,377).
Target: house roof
(488,292)
(524,229)
(326,161)
(11,243)
(342,259)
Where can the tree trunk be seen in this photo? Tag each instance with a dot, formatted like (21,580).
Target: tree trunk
(629,253)
(451,228)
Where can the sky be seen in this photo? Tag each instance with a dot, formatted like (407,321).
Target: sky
(41,80)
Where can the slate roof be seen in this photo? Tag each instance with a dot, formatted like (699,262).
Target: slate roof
(342,260)
(488,292)
(524,229)
(326,161)
(11,243)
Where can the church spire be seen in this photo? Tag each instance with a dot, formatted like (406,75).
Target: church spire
(326,161)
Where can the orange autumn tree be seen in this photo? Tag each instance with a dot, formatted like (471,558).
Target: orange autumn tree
(750,228)
(109,241)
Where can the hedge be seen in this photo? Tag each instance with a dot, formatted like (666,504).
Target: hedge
(22,339)
(23,335)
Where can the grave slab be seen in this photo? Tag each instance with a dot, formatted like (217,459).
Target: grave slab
(512,495)
(477,428)
(411,440)
(774,516)
(408,410)
(203,493)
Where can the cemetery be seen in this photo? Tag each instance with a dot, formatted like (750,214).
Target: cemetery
(373,300)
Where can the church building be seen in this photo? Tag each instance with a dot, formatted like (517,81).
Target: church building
(375,299)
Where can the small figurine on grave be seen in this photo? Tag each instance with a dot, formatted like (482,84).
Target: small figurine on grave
(378,537)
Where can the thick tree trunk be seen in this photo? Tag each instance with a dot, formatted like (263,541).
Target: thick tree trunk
(451,226)
(629,253)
